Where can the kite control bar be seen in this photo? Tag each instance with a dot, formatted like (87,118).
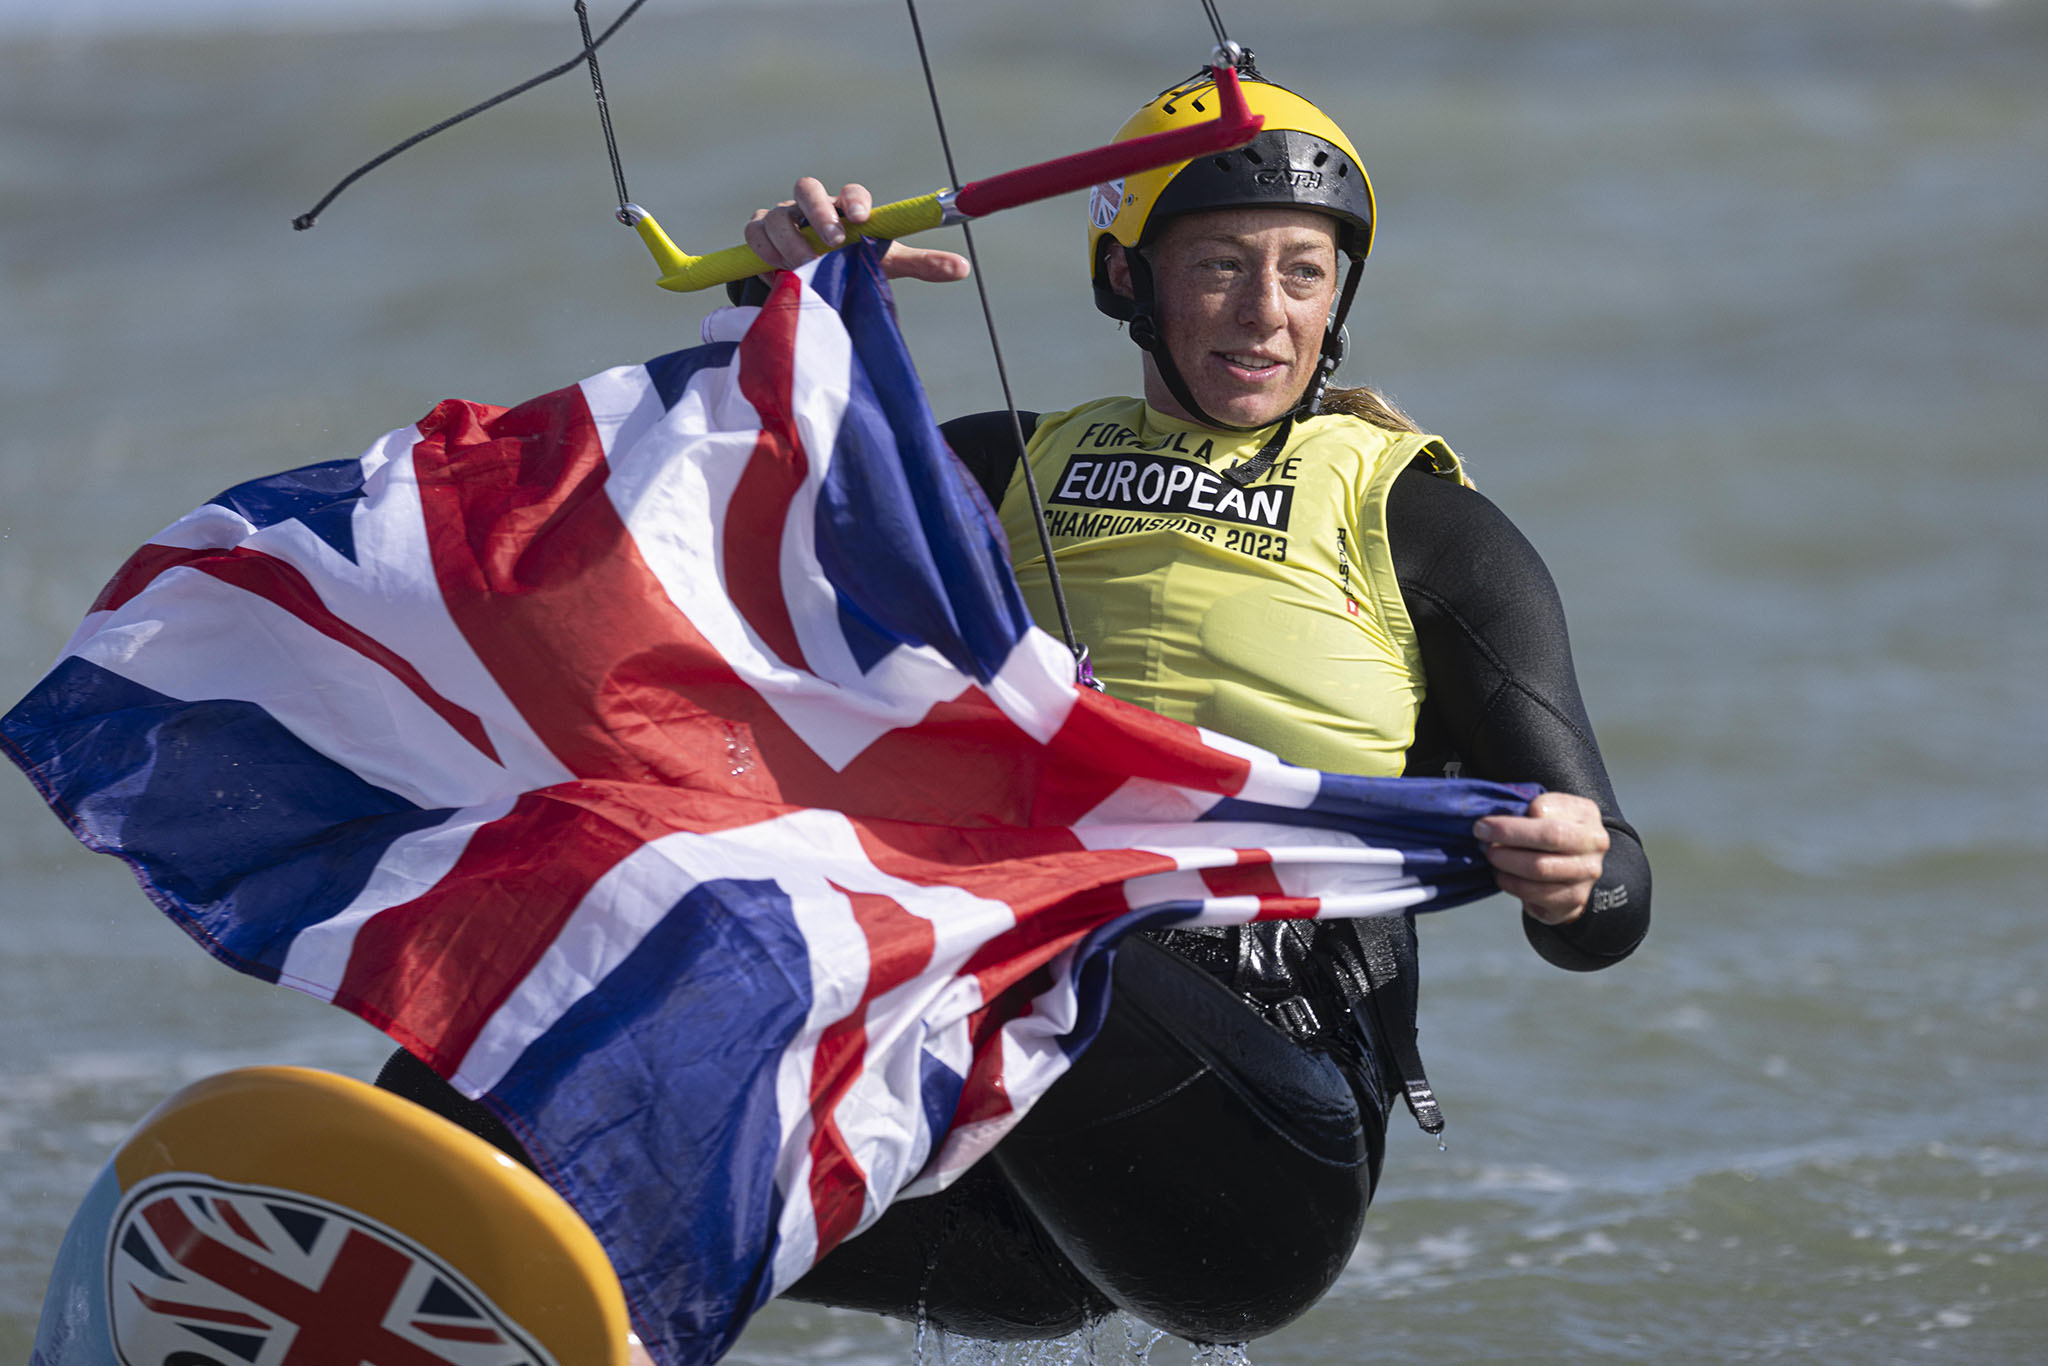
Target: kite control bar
(1233,126)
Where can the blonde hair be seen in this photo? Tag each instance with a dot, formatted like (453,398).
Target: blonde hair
(1369,405)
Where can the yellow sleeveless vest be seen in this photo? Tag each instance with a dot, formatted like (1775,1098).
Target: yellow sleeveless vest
(1268,613)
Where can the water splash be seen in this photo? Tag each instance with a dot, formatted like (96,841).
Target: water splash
(1088,1346)
(739,750)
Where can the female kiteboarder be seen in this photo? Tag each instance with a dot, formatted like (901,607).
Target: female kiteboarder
(1296,565)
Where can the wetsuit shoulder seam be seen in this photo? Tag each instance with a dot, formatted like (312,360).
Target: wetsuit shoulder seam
(1507,678)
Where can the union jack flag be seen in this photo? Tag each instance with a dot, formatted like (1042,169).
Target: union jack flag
(671,761)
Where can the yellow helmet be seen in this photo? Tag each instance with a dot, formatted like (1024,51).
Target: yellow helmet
(1299,159)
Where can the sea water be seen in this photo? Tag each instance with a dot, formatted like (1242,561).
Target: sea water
(1738,307)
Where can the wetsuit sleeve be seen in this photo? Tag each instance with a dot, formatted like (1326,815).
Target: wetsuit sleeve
(1503,698)
(986,444)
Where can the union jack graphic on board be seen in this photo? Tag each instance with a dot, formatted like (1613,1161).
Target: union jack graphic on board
(671,761)
(198,1268)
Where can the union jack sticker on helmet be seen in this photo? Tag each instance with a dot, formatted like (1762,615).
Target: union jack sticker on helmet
(1104,201)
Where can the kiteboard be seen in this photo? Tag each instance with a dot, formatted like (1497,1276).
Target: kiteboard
(281,1213)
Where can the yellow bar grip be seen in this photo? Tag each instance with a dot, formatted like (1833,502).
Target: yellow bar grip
(683,272)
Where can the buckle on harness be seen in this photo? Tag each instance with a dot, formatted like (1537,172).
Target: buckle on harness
(1295,1017)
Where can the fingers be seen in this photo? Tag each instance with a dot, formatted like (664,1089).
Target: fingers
(1558,822)
(853,204)
(1553,903)
(1535,866)
(822,210)
(1550,858)
(1554,886)
(776,234)
(773,235)
(904,262)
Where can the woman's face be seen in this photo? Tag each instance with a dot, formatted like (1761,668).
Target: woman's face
(1244,298)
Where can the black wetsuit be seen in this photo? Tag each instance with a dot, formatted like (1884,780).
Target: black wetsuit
(1207,1163)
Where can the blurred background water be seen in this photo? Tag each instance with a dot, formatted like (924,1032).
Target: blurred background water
(1739,307)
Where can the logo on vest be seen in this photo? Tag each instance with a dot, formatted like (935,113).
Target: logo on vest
(198,1267)
(1146,481)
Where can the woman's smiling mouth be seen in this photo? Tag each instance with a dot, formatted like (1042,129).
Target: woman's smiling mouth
(1250,365)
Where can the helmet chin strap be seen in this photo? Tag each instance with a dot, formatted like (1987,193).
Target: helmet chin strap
(1144,329)
(1145,332)
(1336,341)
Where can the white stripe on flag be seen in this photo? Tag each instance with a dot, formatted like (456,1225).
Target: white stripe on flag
(1141,803)
(339,702)
(318,958)
(205,528)
(1035,687)
(624,407)
(393,594)
(1272,781)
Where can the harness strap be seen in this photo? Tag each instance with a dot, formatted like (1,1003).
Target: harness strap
(1247,472)
(1374,961)
(1361,969)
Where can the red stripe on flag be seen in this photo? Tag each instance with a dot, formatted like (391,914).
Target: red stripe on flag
(1105,741)
(751,539)
(142,569)
(432,971)
(533,562)
(282,585)
(899,947)
(984,1094)
(1253,875)
(1045,931)
(1057,891)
